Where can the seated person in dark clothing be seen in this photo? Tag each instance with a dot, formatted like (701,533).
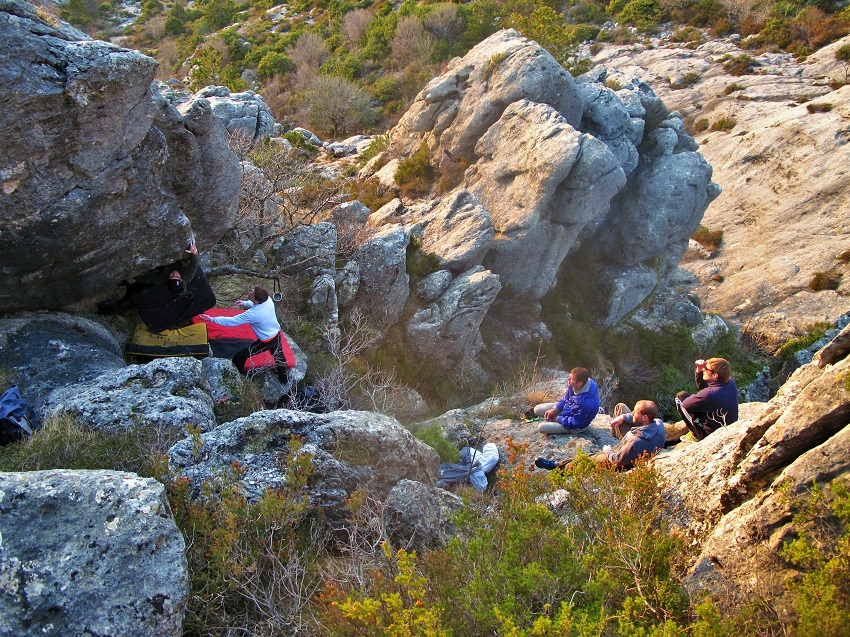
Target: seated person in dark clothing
(716,402)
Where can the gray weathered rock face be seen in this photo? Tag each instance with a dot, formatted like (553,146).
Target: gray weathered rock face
(384,282)
(170,393)
(351,449)
(95,165)
(419,515)
(48,351)
(734,490)
(242,113)
(448,329)
(89,553)
(782,170)
(558,163)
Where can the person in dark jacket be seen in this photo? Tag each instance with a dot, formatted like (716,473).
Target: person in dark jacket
(575,410)
(716,402)
(645,436)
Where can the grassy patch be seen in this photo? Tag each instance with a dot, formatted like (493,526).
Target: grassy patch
(433,437)
(821,107)
(65,443)
(814,333)
(732,88)
(708,239)
(828,280)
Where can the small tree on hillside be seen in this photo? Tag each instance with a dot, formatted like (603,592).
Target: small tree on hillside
(411,42)
(337,105)
(354,25)
(842,55)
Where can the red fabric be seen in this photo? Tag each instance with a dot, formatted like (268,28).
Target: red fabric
(246,333)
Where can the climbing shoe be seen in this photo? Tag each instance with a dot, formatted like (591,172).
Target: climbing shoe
(543,463)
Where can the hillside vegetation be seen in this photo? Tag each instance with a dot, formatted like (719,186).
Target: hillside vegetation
(304,56)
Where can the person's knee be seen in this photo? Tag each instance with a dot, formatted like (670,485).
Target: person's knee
(620,409)
(682,395)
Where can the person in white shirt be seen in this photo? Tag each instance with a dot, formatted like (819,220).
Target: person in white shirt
(260,315)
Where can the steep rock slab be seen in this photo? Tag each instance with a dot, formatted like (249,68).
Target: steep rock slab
(350,449)
(459,231)
(47,351)
(87,176)
(89,553)
(737,490)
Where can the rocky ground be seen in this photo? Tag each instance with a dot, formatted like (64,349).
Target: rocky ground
(783,170)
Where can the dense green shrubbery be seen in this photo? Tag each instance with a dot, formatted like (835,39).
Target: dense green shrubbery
(415,175)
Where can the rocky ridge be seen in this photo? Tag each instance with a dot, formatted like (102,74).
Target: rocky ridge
(782,168)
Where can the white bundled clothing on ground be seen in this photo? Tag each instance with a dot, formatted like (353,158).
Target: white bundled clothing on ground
(261,317)
(474,464)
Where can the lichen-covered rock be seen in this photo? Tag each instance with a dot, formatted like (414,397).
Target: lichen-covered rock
(171,393)
(350,449)
(419,516)
(89,553)
(384,282)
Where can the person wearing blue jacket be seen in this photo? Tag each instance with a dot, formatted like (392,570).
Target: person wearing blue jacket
(575,410)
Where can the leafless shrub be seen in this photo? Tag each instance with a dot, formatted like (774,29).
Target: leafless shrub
(351,381)
(607,384)
(411,43)
(308,54)
(336,104)
(168,58)
(354,25)
(444,21)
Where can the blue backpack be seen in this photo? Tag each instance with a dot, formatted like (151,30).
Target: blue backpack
(15,417)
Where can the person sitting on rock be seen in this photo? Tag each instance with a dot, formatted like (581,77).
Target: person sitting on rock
(575,410)
(260,315)
(645,436)
(716,402)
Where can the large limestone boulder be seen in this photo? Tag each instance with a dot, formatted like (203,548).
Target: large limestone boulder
(350,450)
(89,553)
(168,393)
(244,114)
(96,164)
(558,164)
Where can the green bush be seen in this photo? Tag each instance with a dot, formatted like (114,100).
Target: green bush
(828,280)
(732,88)
(740,65)
(643,14)
(414,175)
(724,123)
(708,239)
(701,125)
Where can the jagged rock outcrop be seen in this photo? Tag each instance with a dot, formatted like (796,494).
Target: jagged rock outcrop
(89,553)
(558,163)
(734,491)
(96,164)
(243,114)
(384,282)
(350,449)
(448,329)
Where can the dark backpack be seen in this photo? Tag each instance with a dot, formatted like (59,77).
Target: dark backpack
(16,417)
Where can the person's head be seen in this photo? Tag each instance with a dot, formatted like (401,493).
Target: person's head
(717,369)
(578,377)
(645,412)
(175,283)
(259,295)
